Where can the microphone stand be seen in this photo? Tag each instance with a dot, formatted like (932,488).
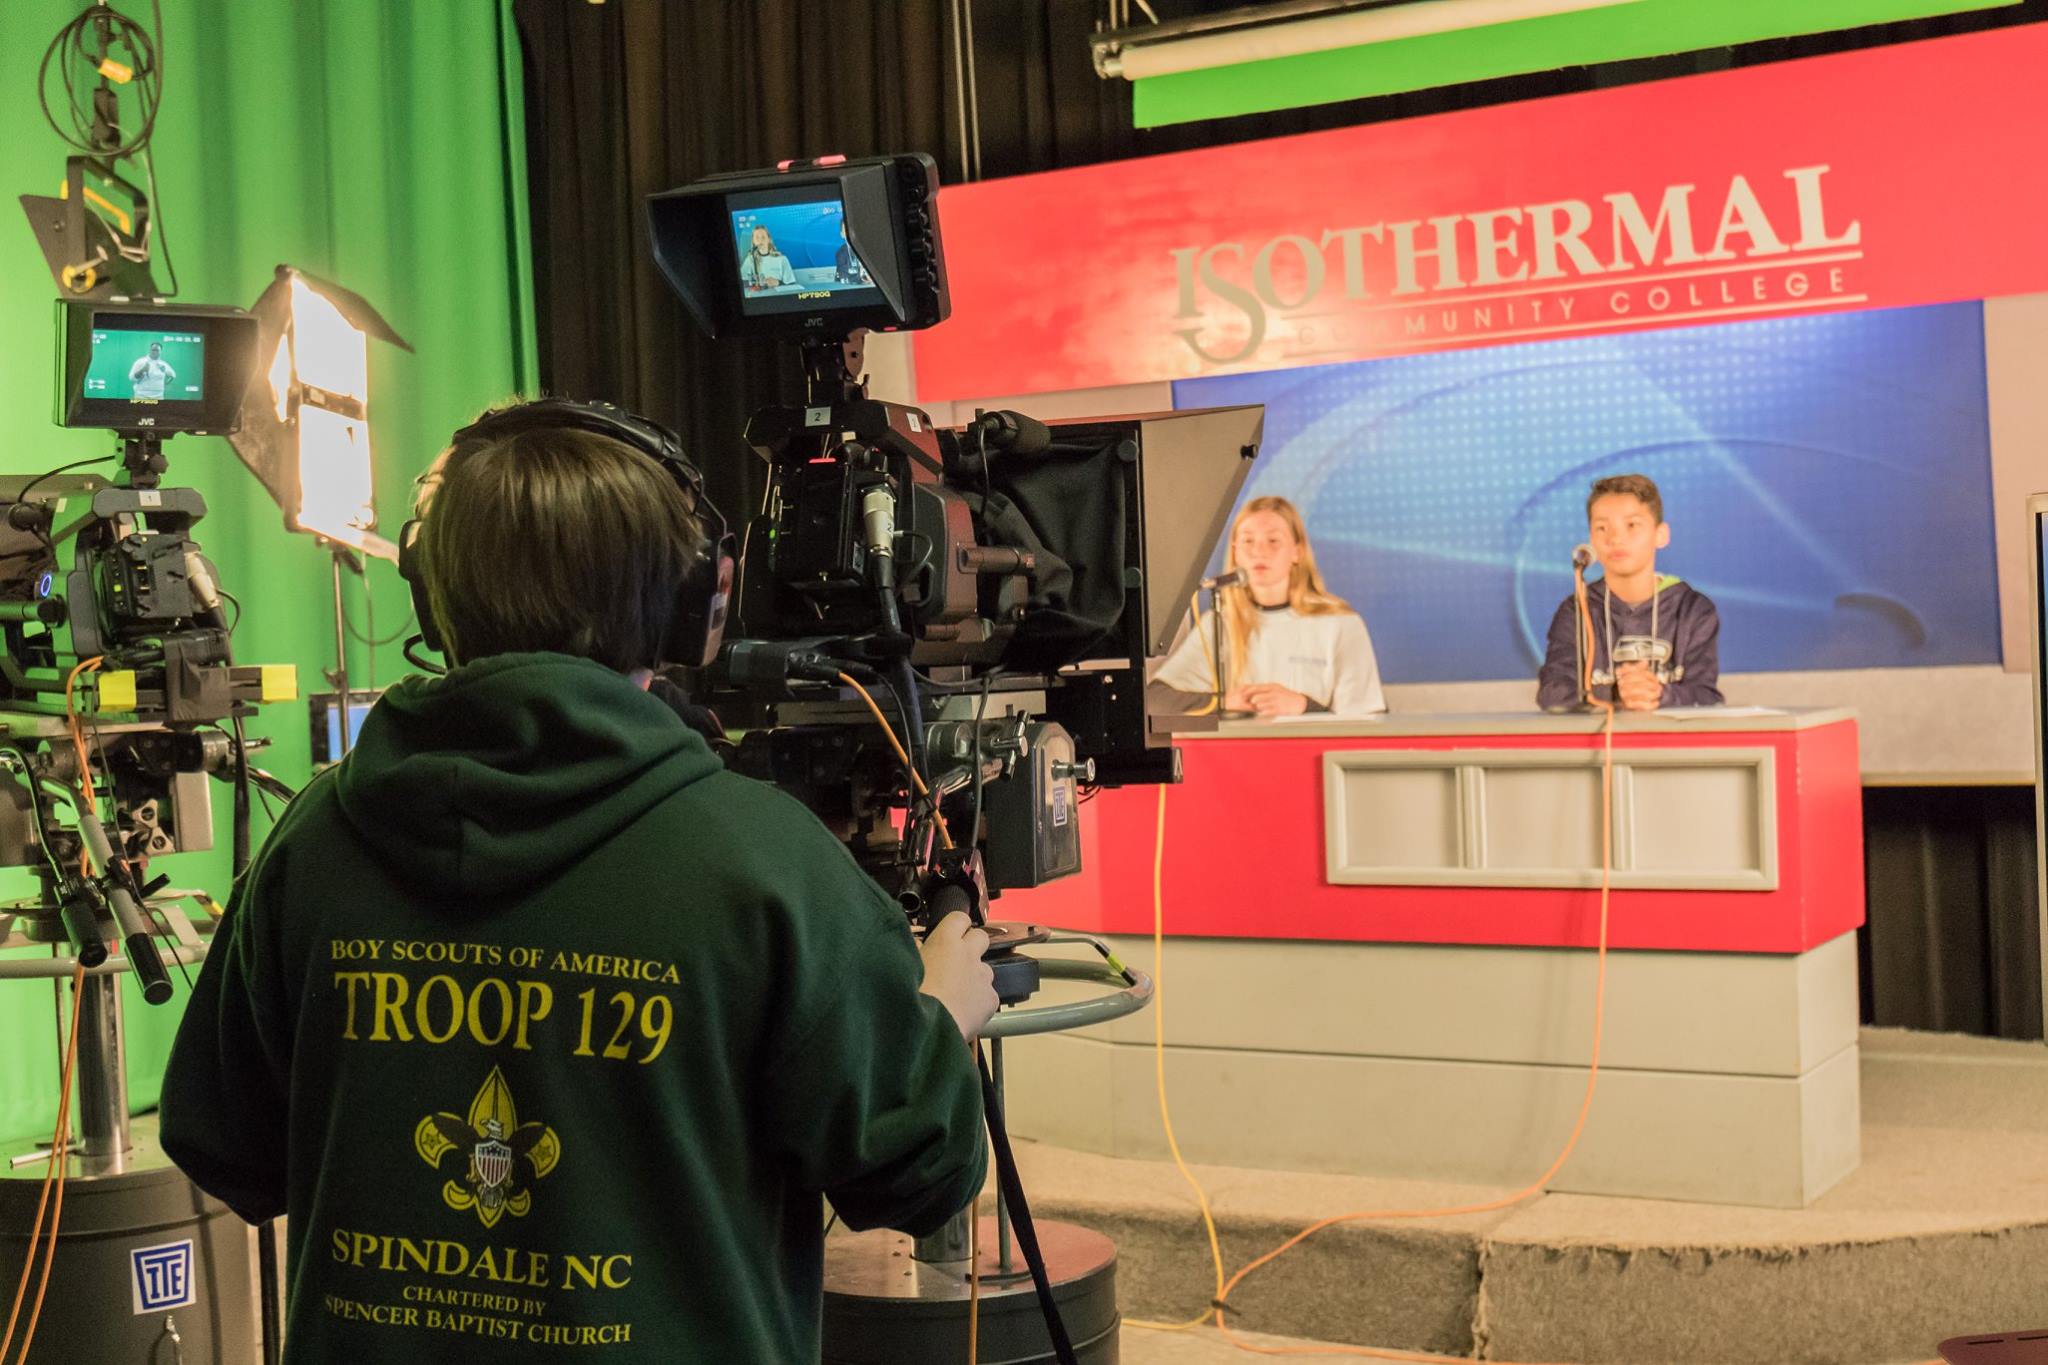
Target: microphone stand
(1216,647)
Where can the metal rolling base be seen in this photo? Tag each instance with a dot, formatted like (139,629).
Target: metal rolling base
(884,1306)
(147,1270)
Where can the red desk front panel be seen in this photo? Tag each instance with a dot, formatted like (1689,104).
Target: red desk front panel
(1245,857)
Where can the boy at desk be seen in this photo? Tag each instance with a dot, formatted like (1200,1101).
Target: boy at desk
(1656,639)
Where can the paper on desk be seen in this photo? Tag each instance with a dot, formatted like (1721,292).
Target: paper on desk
(1710,712)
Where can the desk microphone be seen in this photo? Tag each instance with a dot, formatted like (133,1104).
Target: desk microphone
(1582,556)
(1223,580)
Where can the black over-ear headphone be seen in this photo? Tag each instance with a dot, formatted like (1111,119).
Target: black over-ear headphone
(698,623)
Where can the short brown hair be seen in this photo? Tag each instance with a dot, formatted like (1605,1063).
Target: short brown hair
(1638,486)
(559,540)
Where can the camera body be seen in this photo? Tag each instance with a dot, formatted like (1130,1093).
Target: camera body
(113,625)
(1004,580)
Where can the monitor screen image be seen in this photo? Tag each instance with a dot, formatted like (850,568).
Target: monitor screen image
(795,251)
(146,365)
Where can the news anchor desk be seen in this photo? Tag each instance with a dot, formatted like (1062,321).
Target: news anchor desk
(1379,954)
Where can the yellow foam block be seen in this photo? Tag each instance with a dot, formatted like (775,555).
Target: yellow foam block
(117,690)
(280,682)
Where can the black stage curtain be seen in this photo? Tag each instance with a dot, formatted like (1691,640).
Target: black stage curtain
(633,96)
(1953,941)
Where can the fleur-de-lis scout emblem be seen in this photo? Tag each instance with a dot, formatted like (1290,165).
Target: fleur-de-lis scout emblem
(502,1158)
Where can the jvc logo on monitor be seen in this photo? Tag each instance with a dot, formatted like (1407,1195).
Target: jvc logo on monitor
(161,1276)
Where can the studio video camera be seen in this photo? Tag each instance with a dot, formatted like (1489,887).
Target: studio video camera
(119,694)
(1003,582)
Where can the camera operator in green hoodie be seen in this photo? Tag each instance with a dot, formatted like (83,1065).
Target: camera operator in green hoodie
(546,1031)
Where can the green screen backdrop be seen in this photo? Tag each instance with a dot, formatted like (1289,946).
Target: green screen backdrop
(1624,32)
(377,143)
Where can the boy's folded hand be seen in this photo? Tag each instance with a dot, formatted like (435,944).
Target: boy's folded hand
(1638,687)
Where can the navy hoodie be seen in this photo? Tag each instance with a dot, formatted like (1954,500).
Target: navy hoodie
(1684,616)
(547,1032)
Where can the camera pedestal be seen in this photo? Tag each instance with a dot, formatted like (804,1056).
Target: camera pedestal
(894,1300)
(146,1266)
(886,1306)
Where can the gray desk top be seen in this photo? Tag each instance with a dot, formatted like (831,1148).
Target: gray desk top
(1415,724)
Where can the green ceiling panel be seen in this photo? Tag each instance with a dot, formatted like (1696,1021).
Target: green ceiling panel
(1644,28)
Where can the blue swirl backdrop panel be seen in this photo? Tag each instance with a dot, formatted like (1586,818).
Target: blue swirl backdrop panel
(1827,480)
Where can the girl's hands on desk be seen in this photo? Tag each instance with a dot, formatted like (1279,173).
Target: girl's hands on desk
(1271,699)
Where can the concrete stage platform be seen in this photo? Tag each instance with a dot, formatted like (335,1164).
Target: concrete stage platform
(1943,1230)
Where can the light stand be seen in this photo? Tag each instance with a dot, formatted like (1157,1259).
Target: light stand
(341,557)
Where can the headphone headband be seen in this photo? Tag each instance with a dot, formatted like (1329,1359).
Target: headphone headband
(698,624)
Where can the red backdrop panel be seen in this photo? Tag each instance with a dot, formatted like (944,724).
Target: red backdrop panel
(1901,175)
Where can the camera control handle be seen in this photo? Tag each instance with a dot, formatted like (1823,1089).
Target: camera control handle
(135,934)
(951,897)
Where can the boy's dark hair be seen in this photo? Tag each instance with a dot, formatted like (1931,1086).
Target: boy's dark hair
(555,540)
(1638,486)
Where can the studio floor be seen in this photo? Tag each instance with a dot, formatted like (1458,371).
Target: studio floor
(1942,1231)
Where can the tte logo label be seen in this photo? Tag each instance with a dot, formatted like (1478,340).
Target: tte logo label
(161,1277)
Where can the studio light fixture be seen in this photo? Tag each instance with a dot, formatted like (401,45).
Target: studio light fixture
(306,430)
(1261,32)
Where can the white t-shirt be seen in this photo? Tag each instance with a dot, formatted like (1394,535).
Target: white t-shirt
(149,376)
(1327,659)
(773,271)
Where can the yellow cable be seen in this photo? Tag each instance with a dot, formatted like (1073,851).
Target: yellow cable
(60,1153)
(1159,1075)
(1223,1288)
(76,726)
(945,839)
(974,1282)
(1528,1192)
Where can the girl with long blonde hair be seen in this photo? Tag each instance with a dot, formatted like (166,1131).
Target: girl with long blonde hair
(1290,646)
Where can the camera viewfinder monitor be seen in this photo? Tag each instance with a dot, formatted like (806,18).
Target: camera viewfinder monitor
(147,368)
(815,249)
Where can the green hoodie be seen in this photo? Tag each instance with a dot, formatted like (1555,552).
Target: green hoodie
(547,1032)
